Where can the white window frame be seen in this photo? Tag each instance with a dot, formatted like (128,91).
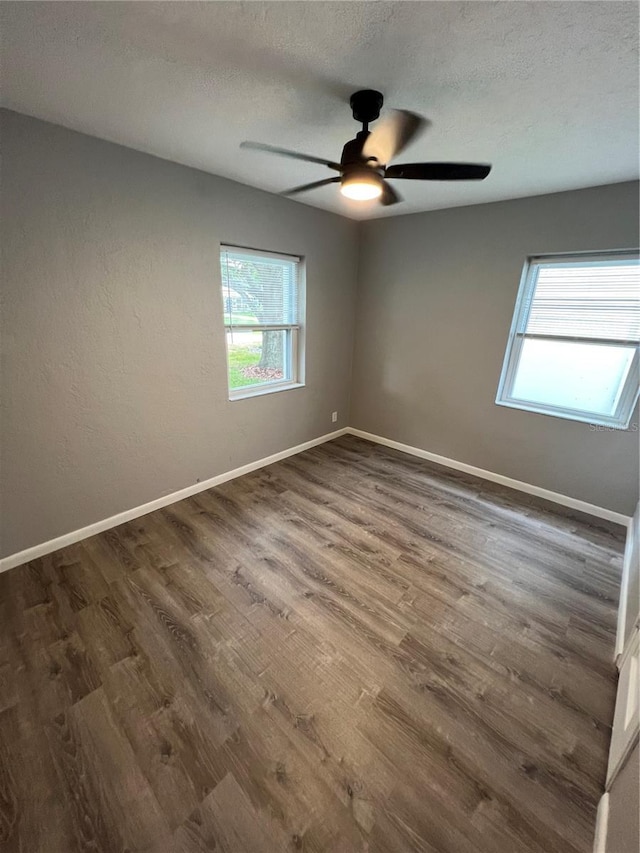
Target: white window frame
(294,346)
(628,396)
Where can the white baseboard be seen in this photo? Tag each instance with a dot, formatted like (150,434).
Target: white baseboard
(36,551)
(555,497)
(602,825)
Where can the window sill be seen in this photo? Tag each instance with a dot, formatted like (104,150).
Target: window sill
(593,420)
(246,393)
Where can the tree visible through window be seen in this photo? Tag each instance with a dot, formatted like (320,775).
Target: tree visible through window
(261,301)
(573,347)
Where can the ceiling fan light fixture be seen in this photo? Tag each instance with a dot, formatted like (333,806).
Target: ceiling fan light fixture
(361,187)
(364,170)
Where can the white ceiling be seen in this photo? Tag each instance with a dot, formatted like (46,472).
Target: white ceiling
(546,91)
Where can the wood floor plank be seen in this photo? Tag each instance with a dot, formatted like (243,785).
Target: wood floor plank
(227,819)
(350,651)
(111,803)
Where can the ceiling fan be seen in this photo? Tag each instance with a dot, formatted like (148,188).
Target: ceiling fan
(364,167)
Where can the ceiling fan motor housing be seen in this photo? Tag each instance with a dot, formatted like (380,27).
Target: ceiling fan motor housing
(355,167)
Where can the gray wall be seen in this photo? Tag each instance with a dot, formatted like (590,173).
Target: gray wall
(436,297)
(114,379)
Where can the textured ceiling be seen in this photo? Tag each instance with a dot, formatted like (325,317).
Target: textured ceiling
(546,91)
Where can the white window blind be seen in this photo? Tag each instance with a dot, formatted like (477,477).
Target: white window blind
(573,346)
(599,301)
(261,283)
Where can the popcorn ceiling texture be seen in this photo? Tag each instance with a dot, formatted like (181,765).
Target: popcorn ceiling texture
(547,92)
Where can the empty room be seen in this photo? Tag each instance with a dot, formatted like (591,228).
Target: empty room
(319,427)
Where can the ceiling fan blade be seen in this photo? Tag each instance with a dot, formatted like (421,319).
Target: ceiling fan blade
(392,134)
(439,171)
(294,155)
(313,186)
(389,195)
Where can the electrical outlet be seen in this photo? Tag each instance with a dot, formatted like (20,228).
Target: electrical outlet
(334,417)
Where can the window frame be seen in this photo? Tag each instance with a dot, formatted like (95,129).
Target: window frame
(294,341)
(627,396)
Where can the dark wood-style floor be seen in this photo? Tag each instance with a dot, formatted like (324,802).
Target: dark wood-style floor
(351,650)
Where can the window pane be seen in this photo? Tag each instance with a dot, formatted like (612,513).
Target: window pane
(583,376)
(258,358)
(258,290)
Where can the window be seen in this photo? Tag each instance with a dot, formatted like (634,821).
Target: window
(573,346)
(262,317)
